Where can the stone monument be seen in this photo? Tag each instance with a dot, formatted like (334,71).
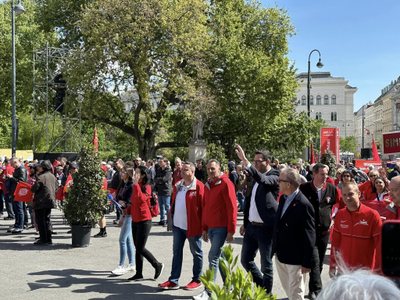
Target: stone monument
(197,146)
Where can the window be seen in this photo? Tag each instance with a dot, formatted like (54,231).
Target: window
(318,116)
(303,100)
(333,99)
(326,100)
(318,100)
(311,100)
(333,116)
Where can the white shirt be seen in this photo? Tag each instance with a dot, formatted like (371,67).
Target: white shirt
(180,216)
(254,216)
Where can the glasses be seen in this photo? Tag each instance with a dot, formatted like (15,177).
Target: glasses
(373,176)
(258,161)
(346,176)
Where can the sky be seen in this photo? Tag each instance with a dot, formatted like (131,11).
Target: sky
(358,40)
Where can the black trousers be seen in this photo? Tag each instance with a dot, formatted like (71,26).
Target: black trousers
(315,283)
(140,232)
(43,223)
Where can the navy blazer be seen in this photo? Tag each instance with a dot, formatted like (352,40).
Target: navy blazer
(265,198)
(294,232)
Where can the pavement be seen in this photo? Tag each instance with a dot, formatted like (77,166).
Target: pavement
(62,272)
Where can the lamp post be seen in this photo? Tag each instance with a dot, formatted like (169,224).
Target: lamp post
(15,11)
(319,65)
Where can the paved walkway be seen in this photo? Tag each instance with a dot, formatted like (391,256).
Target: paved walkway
(62,272)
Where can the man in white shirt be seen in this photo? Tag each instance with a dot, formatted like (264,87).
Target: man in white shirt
(186,215)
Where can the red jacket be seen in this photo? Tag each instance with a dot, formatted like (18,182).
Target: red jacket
(140,203)
(391,212)
(379,205)
(220,204)
(357,237)
(366,191)
(194,206)
(176,176)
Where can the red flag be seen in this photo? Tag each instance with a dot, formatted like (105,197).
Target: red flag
(95,141)
(375,154)
(312,156)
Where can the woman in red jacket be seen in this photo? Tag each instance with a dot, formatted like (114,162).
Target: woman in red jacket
(141,223)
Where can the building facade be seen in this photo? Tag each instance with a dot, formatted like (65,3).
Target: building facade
(331,99)
(382,116)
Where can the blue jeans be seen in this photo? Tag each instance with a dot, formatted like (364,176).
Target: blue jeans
(195,248)
(240,198)
(126,242)
(258,238)
(163,202)
(18,207)
(217,237)
(9,205)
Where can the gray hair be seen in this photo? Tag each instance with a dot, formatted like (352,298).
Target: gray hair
(190,164)
(359,285)
(292,176)
(213,160)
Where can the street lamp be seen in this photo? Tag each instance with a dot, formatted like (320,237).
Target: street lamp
(319,65)
(15,11)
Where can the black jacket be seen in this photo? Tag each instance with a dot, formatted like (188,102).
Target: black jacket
(265,198)
(163,181)
(322,209)
(45,190)
(294,232)
(19,174)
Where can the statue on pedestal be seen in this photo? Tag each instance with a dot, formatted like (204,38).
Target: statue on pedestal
(198,130)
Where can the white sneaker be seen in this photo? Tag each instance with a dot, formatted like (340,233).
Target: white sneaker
(203,296)
(131,268)
(120,270)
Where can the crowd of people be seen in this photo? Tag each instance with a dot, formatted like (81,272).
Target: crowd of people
(290,212)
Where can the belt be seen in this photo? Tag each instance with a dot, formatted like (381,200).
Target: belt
(257,224)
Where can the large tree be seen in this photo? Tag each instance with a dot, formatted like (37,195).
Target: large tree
(253,80)
(138,59)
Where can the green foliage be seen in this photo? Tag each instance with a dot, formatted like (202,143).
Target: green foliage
(86,200)
(253,82)
(238,284)
(217,152)
(348,144)
(329,160)
(28,37)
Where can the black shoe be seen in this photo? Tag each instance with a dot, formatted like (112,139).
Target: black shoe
(8,218)
(53,232)
(136,277)
(69,231)
(101,234)
(162,223)
(40,242)
(159,269)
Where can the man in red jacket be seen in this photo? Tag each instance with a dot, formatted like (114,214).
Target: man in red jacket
(356,233)
(185,216)
(219,215)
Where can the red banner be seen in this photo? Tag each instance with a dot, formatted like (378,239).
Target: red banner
(330,141)
(391,142)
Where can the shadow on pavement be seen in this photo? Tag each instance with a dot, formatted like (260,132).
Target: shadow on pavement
(100,282)
(28,245)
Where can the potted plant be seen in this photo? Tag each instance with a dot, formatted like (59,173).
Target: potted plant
(86,201)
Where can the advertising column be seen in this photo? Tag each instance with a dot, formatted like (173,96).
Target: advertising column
(330,142)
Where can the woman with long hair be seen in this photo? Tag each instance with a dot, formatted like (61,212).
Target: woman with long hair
(382,196)
(141,223)
(125,237)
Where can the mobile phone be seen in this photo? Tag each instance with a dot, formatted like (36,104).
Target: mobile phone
(391,248)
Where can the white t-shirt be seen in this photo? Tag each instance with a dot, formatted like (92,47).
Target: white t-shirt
(180,216)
